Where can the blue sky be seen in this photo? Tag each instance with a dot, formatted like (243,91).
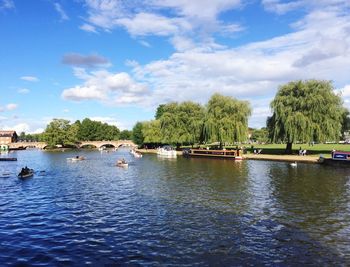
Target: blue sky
(116,61)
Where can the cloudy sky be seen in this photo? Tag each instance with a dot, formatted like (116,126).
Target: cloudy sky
(117,60)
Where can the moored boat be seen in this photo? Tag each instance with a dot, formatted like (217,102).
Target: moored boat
(339,158)
(167,151)
(225,154)
(8,159)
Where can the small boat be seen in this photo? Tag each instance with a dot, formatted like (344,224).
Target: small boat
(135,153)
(122,163)
(26,173)
(77,158)
(167,151)
(339,158)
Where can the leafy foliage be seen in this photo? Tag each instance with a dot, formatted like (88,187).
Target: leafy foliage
(305,111)
(260,135)
(137,135)
(226,119)
(181,123)
(125,135)
(95,130)
(61,132)
(151,131)
(56,133)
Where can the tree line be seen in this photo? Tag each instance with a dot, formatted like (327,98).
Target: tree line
(302,111)
(223,119)
(63,133)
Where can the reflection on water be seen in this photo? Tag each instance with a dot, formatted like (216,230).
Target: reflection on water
(172,211)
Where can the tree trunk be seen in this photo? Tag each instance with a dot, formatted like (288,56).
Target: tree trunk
(289,148)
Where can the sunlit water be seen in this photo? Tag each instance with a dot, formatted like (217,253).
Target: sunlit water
(163,212)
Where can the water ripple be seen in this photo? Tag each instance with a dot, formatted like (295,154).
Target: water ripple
(160,212)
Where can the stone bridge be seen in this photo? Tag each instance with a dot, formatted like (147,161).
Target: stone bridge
(100,144)
(97,144)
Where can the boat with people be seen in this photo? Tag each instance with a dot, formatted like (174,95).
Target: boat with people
(76,158)
(167,151)
(135,153)
(235,154)
(338,158)
(26,173)
(122,163)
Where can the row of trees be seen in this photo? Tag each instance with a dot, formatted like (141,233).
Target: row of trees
(224,119)
(62,132)
(303,111)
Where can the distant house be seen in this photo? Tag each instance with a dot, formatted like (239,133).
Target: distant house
(7,137)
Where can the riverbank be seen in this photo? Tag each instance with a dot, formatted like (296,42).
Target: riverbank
(285,158)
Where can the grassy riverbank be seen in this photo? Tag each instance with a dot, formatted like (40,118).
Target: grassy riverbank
(252,156)
(316,150)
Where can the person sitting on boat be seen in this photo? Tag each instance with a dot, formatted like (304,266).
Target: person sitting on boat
(76,157)
(24,171)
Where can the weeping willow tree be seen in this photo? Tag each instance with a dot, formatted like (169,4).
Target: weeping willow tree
(151,131)
(226,120)
(305,111)
(181,122)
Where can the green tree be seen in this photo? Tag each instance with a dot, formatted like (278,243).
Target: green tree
(226,120)
(260,135)
(125,135)
(345,121)
(159,111)
(151,132)
(56,132)
(181,123)
(137,135)
(305,111)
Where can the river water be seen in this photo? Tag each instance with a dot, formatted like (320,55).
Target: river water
(171,212)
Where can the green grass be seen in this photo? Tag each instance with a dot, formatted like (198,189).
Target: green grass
(278,149)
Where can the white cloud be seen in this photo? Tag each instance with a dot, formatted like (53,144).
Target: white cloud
(110,88)
(29,78)
(7,4)
(20,127)
(185,17)
(199,8)
(61,11)
(8,107)
(318,47)
(88,28)
(108,120)
(23,91)
(281,8)
(38,131)
(145,43)
(11,106)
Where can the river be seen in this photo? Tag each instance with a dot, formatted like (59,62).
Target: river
(171,212)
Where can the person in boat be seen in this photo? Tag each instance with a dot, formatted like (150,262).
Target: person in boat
(24,171)
(76,157)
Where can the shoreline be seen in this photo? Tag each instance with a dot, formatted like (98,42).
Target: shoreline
(284,158)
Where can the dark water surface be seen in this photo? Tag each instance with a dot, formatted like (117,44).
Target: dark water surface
(163,212)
